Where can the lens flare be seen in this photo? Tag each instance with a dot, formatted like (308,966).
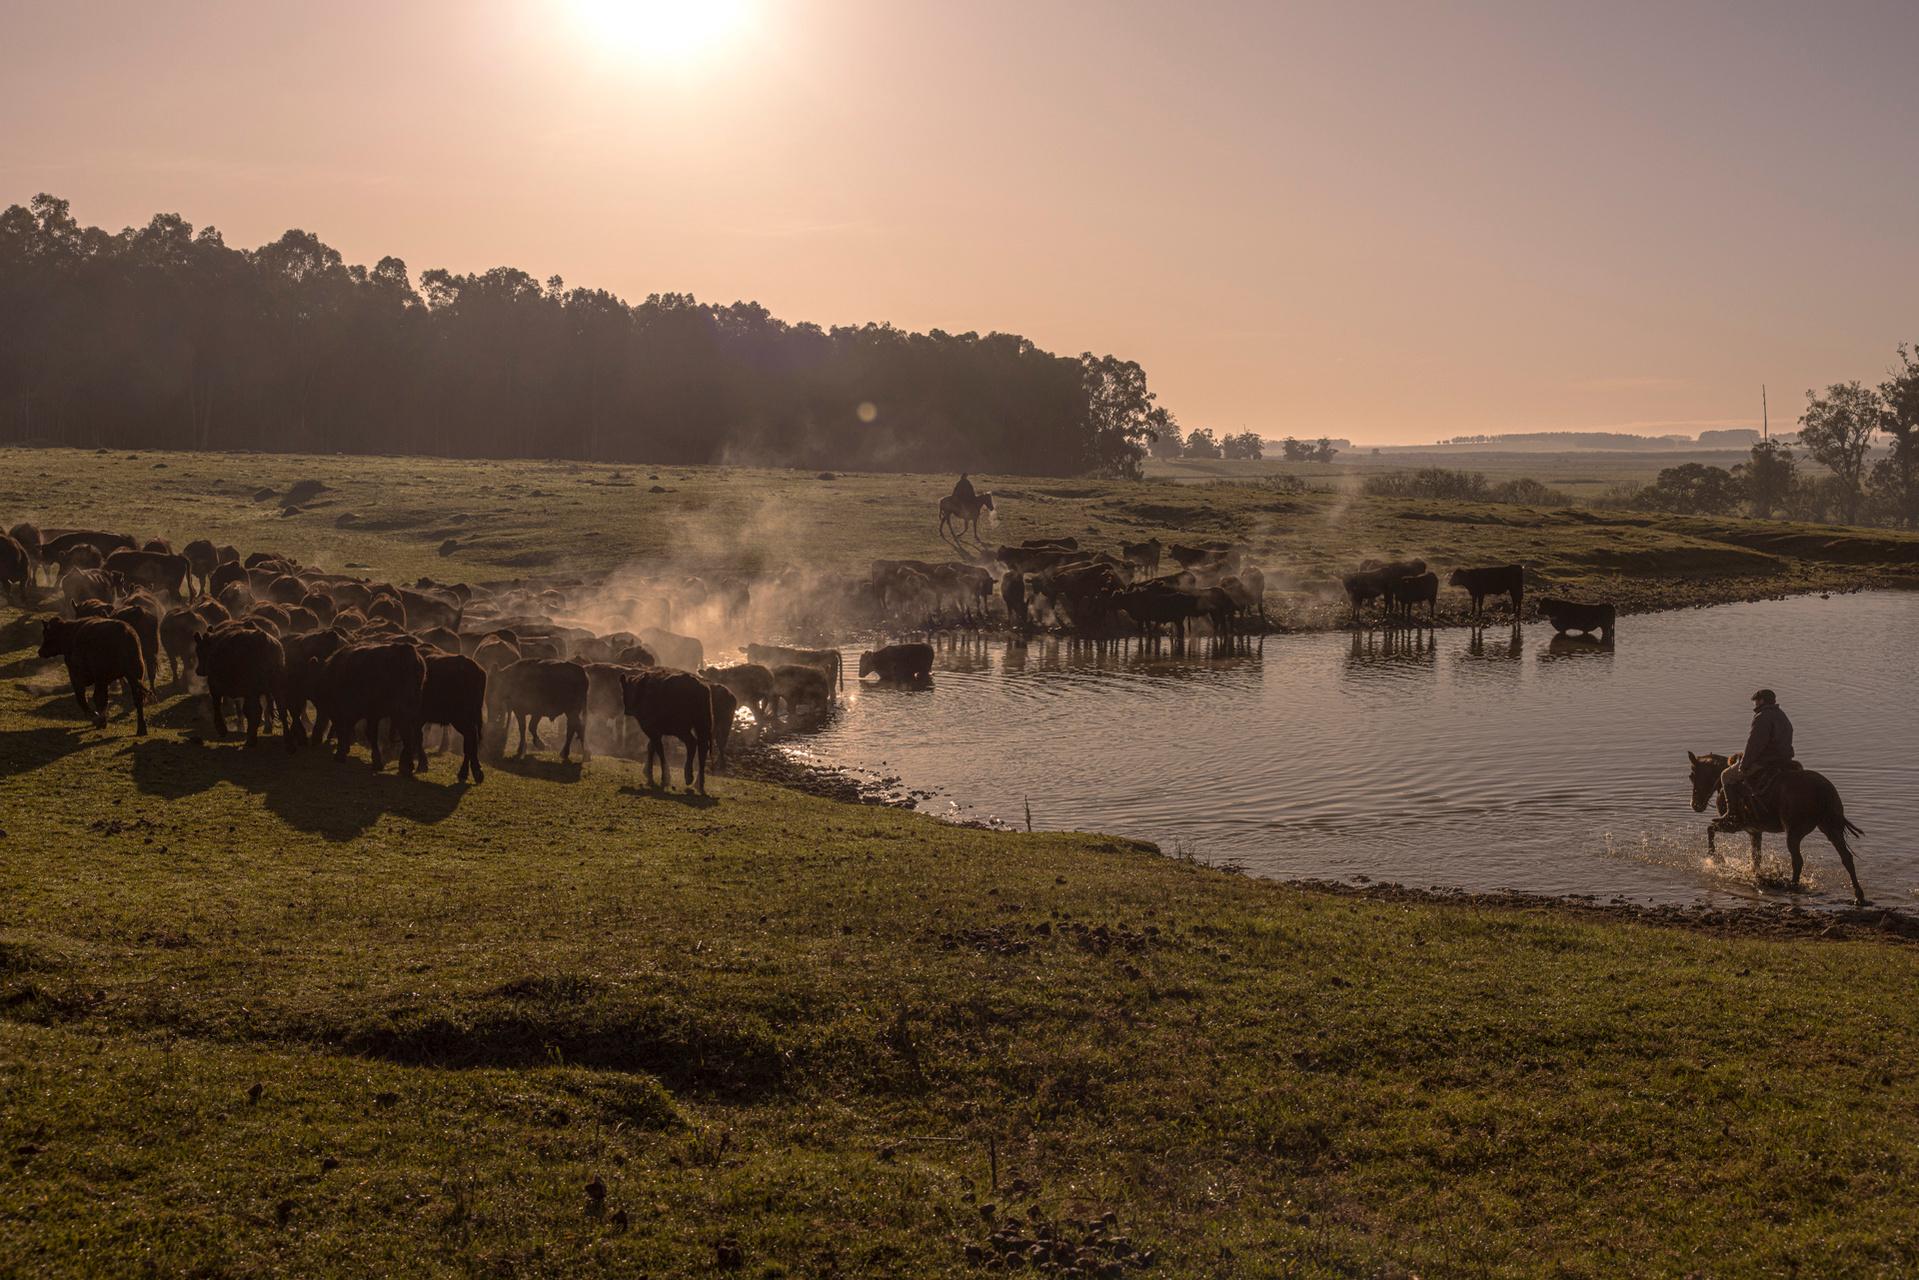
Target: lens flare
(667,31)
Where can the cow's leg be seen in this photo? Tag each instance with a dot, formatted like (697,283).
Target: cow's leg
(521,717)
(655,747)
(412,745)
(1756,838)
(138,693)
(219,710)
(575,728)
(343,737)
(100,703)
(373,742)
(250,706)
(538,745)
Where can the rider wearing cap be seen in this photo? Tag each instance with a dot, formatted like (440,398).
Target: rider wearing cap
(1768,750)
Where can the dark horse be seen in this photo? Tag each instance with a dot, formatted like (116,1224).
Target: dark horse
(965,513)
(1805,801)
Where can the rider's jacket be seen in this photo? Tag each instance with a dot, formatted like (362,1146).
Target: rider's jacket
(1769,745)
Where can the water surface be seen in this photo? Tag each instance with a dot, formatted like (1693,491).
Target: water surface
(1499,760)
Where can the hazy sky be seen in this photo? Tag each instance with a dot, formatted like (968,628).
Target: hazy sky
(1389,222)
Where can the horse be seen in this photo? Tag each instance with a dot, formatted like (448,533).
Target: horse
(966,514)
(1804,801)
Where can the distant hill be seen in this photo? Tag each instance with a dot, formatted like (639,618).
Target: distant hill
(1567,441)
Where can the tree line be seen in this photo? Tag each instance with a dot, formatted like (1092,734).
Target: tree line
(165,337)
(1836,473)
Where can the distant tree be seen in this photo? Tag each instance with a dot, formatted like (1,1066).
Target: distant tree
(1768,477)
(1895,479)
(1246,446)
(1296,450)
(1324,450)
(160,336)
(1836,431)
(1694,489)
(1200,444)
(1167,441)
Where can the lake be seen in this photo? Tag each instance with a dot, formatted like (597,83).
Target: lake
(1482,761)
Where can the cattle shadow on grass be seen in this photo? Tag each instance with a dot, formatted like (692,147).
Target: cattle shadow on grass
(691,799)
(24,750)
(535,767)
(307,790)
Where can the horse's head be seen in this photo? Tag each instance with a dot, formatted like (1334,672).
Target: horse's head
(1706,771)
(986,502)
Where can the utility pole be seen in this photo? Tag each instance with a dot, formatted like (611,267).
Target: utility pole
(1765,416)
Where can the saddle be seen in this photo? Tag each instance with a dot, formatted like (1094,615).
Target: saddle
(1759,807)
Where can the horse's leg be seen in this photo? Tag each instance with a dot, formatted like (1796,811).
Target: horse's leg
(1834,829)
(1794,834)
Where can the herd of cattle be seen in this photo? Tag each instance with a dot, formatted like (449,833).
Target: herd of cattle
(275,637)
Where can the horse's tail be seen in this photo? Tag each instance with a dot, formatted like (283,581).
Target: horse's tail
(1852,828)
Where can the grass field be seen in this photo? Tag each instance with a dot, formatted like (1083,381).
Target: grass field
(493,521)
(263,1015)
(271,1016)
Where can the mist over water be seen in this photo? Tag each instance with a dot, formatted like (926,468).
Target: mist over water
(1496,762)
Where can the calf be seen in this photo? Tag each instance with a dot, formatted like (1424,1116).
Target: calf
(1507,580)
(898,662)
(179,626)
(238,660)
(27,535)
(1570,615)
(536,689)
(826,661)
(98,652)
(455,695)
(371,681)
(674,704)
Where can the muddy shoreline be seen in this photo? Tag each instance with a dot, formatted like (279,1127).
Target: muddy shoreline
(1770,920)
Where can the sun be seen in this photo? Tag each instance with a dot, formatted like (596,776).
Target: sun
(667,31)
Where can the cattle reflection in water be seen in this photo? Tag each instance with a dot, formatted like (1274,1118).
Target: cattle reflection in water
(1563,647)
(1493,648)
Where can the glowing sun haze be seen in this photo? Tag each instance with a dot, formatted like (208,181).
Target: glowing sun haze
(1393,223)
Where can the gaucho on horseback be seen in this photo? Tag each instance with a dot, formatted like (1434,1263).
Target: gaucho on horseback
(1750,779)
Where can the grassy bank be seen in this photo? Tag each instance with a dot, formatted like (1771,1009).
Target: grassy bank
(265,1016)
(489,521)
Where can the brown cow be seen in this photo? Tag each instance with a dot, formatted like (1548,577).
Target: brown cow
(27,534)
(496,651)
(77,586)
(202,559)
(606,699)
(682,652)
(60,550)
(306,660)
(98,652)
(794,684)
(752,686)
(238,660)
(726,706)
(1507,580)
(387,606)
(227,574)
(17,569)
(535,689)
(826,661)
(674,704)
(159,571)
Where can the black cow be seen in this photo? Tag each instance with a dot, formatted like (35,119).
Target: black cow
(1507,580)
(1570,615)
(672,704)
(98,652)
(16,569)
(373,681)
(239,660)
(1403,595)
(898,662)
(161,571)
(536,689)
(455,695)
